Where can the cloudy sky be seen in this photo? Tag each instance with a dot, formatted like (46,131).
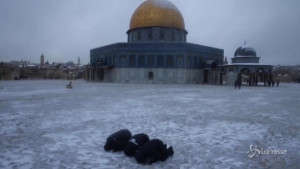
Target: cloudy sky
(64,30)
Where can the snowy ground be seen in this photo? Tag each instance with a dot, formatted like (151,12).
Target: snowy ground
(45,125)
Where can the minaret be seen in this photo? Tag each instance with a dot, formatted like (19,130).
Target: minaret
(78,61)
(225,61)
(42,60)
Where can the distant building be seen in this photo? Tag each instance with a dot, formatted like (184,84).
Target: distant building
(156,51)
(245,66)
(25,70)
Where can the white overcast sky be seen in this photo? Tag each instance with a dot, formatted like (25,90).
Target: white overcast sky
(64,30)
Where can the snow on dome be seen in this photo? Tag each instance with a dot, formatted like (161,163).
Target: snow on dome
(245,51)
(248,48)
(164,4)
(157,13)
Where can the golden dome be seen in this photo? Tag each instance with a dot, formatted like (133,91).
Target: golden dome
(157,13)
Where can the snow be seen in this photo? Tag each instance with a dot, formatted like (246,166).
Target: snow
(248,48)
(245,64)
(241,56)
(165,4)
(45,125)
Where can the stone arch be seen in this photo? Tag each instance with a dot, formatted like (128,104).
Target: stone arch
(245,70)
(260,72)
(245,74)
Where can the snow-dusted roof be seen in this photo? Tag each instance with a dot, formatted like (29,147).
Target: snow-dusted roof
(243,56)
(246,64)
(245,51)
(248,48)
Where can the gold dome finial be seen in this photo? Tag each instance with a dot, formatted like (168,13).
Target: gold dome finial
(157,13)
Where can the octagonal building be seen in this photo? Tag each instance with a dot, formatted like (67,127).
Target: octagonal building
(156,51)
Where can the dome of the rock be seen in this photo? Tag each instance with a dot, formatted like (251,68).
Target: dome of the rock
(157,13)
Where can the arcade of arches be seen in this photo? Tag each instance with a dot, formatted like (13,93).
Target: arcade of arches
(253,78)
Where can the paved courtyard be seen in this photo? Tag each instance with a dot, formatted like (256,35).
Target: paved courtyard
(45,125)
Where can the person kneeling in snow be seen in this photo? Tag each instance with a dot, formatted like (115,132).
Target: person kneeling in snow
(153,151)
(69,86)
(135,143)
(118,140)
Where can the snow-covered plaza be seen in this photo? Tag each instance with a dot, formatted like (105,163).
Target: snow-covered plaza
(44,125)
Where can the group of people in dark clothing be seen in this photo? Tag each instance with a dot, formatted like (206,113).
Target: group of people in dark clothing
(238,83)
(273,83)
(144,150)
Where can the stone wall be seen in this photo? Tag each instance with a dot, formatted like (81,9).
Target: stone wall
(150,75)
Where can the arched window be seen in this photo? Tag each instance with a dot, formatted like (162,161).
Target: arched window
(180,37)
(150,34)
(150,61)
(179,61)
(139,36)
(123,61)
(173,37)
(160,61)
(132,61)
(161,35)
(195,63)
(170,61)
(142,61)
(116,60)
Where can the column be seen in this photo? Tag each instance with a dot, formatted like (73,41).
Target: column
(265,79)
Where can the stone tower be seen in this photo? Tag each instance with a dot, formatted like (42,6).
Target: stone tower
(42,60)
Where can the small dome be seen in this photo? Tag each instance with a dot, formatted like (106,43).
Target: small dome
(157,13)
(245,51)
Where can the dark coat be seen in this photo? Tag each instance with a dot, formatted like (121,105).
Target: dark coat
(118,140)
(153,151)
(135,143)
